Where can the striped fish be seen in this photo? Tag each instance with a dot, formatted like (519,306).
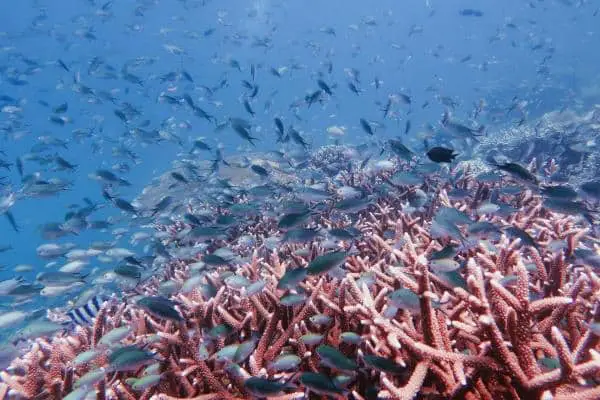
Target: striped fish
(85,314)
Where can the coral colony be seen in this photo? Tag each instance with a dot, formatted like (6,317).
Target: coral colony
(447,301)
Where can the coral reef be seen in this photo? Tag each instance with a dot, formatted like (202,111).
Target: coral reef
(516,321)
(570,137)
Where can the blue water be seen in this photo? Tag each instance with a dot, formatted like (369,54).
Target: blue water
(45,31)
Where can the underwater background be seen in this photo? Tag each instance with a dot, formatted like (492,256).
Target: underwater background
(148,142)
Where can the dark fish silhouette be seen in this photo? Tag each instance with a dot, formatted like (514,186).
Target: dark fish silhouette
(441,155)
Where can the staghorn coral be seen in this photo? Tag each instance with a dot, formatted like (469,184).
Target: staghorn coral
(484,335)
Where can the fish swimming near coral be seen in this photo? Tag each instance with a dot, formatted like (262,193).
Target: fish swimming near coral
(441,154)
(291,236)
(85,314)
